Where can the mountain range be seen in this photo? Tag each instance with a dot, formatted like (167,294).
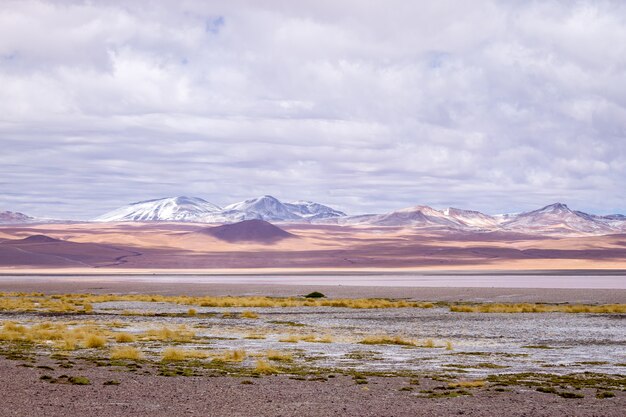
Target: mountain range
(194,209)
(556,218)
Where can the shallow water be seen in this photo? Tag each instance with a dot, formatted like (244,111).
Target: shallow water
(483,343)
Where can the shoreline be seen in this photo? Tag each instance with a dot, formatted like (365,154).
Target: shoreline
(306,272)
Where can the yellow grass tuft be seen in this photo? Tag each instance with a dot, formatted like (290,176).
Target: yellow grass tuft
(264,367)
(180,334)
(539,308)
(95,341)
(126,352)
(295,338)
(387,340)
(192,312)
(233,355)
(449,345)
(428,343)
(275,355)
(467,384)
(249,315)
(124,338)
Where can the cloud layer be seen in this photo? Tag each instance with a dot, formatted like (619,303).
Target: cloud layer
(492,105)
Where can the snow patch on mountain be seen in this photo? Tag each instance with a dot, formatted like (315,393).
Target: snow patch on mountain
(313,211)
(187,209)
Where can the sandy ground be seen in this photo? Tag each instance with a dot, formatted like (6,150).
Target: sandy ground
(154,247)
(24,394)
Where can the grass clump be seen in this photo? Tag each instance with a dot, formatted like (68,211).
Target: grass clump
(479,383)
(79,380)
(539,308)
(429,343)
(126,352)
(124,338)
(264,367)
(95,341)
(605,394)
(295,338)
(254,336)
(237,355)
(275,355)
(173,354)
(249,315)
(387,340)
(180,334)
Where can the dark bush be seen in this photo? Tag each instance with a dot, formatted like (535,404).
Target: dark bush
(315,294)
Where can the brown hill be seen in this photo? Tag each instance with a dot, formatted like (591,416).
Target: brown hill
(257,231)
(41,250)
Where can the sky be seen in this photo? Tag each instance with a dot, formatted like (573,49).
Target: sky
(367,106)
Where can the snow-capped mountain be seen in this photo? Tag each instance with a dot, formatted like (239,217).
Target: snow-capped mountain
(556,218)
(12,217)
(164,209)
(471,218)
(426,217)
(265,208)
(553,219)
(421,216)
(194,209)
(313,211)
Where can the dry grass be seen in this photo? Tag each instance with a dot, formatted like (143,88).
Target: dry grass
(295,338)
(449,345)
(80,302)
(264,367)
(179,334)
(467,384)
(428,343)
(539,308)
(126,352)
(255,336)
(387,340)
(62,336)
(124,338)
(14,301)
(275,355)
(233,356)
(95,341)
(192,312)
(249,315)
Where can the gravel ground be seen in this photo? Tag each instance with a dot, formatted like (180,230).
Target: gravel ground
(24,394)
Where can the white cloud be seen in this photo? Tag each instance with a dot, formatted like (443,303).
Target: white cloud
(490,105)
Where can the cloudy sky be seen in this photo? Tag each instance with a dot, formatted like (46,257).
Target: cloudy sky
(364,105)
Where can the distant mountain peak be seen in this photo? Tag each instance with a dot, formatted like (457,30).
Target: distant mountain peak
(9,217)
(162,209)
(555,207)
